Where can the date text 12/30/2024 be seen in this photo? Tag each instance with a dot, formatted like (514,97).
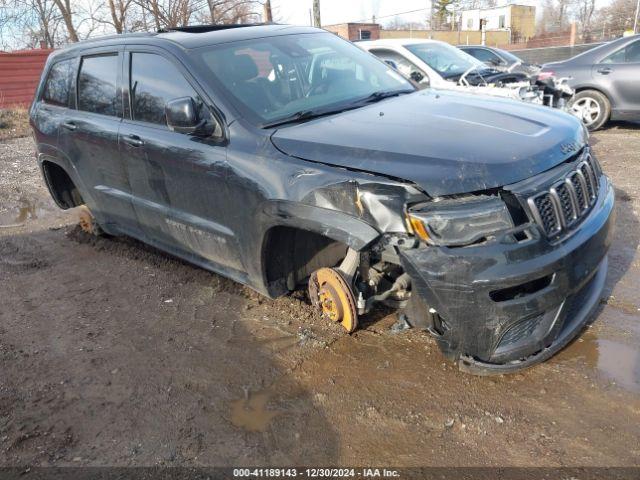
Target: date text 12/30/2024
(315,473)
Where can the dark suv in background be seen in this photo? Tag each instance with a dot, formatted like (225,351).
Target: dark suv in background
(282,157)
(500,59)
(606,79)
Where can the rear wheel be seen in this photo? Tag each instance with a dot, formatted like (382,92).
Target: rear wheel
(592,107)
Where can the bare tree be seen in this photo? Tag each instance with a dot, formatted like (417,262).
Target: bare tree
(119,10)
(64,6)
(168,13)
(29,24)
(614,19)
(584,15)
(232,11)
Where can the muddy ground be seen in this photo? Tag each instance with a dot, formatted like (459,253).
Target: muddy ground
(112,353)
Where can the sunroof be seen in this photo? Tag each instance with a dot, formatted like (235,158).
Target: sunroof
(209,28)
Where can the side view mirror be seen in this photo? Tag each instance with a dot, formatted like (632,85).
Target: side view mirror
(416,76)
(182,117)
(495,62)
(392,64)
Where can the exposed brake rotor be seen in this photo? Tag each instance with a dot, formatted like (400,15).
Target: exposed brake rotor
(330,292)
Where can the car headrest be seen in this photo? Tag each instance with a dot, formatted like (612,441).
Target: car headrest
(243,68)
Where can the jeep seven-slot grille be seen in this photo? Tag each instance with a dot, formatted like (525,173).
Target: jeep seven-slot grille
(568,200)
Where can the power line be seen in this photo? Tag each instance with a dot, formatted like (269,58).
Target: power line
(392,15)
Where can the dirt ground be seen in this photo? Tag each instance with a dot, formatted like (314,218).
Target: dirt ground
(112,353)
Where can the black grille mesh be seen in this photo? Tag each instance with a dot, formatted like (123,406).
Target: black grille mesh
(565,201)
(577,186)
(556,211)
(586,172)
(544,204)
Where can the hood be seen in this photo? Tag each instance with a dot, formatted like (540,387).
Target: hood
(444,142)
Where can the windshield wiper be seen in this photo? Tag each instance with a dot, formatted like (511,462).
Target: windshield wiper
(303,115)
(382,94)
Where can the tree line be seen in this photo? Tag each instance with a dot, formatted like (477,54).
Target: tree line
(51,23)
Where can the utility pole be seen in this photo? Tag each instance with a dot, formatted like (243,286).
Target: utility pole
(267,16)
(316,14)
(635,20)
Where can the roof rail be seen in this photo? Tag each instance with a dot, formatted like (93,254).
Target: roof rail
(210,28)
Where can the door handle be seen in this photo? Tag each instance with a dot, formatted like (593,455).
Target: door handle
(133,140)
(70,126)
(604,71)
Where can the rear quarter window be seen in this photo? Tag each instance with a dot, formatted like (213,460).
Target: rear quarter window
(58,83)
(97,84)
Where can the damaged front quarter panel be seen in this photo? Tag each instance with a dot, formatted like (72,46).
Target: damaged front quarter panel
(380,203)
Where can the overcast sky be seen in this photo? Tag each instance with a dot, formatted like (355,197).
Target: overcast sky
(342,11)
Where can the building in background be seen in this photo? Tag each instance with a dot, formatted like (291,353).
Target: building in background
(519,20)
(355,31)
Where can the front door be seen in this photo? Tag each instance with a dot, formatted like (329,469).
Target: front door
(621,71)
(178,180)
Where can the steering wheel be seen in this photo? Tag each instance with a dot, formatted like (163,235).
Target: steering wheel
(316,88)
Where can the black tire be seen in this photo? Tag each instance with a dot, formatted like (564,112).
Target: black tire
(592,107)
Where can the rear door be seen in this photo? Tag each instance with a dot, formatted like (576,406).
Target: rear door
(620,72)
(178,180)
(89,137)
(48,111)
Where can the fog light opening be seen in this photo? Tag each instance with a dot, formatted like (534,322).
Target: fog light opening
(521,290)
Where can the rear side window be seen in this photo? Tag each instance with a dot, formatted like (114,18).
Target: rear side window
(629,54)
(154,82)
(56,88)
(97,85)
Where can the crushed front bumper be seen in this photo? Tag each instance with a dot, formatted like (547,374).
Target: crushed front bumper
(507,305)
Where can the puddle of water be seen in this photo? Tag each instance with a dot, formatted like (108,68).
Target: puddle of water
(615,361)
(250,413)
(18,216)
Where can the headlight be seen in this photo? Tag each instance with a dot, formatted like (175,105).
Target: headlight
(459,222)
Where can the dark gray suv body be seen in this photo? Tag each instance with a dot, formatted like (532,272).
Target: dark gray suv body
(282,156)
(606,80)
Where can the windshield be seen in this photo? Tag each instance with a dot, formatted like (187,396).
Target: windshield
(270,79)
(511,58)
(445,59)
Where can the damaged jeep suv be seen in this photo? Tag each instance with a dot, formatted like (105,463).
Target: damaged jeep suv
(286,157)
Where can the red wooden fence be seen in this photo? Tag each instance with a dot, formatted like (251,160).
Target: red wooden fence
(19,75)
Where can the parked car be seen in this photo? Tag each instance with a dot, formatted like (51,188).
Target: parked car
(443,66)
(606,80)
(284,157)
(500,59)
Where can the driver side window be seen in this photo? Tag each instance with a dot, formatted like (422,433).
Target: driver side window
(154,82)
(401,64)
(487,56)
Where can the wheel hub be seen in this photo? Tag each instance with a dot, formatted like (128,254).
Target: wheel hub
(586,109)
(330,292)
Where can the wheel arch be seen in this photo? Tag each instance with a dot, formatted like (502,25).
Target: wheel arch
(303,238)
(584,88)
(61,186)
